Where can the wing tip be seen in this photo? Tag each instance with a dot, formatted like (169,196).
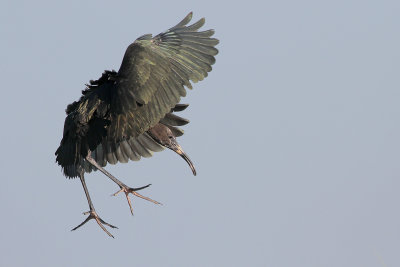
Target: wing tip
(185,21)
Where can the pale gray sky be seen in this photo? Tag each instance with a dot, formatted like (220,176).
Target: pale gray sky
(294,134)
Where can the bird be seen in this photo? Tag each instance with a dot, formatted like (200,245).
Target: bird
(131,113)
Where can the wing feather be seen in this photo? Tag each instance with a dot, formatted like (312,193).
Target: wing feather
(179,107)
(154,73)
(135,147)
(174,120)
(149,143)
(110,155)
(142,151)
(120,155)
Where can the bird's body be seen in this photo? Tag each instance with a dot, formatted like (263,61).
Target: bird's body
(87,128)
(130,114)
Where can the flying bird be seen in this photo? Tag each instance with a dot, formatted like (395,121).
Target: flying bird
(131,113)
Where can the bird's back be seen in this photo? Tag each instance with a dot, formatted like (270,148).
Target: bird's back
(86,124)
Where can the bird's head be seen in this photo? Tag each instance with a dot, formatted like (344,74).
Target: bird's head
(173,145)
(164,136)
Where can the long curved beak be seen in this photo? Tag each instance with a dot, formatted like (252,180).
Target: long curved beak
(178,149)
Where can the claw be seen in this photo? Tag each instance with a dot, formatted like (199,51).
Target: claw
(100,222)
(128,190)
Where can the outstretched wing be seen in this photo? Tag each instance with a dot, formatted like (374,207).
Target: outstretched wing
(154,73)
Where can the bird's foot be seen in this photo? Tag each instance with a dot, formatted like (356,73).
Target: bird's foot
(100,222)
(129,190)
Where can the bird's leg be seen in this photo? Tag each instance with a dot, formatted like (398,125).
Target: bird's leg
(92,212)
(123,188)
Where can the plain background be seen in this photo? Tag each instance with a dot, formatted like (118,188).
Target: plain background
(294,134)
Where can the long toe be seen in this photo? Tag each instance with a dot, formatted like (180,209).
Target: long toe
(129,190)
(100,222)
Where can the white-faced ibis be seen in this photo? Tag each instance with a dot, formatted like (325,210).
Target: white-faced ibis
(130,114)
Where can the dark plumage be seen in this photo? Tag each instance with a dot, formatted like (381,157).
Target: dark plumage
(131,113)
